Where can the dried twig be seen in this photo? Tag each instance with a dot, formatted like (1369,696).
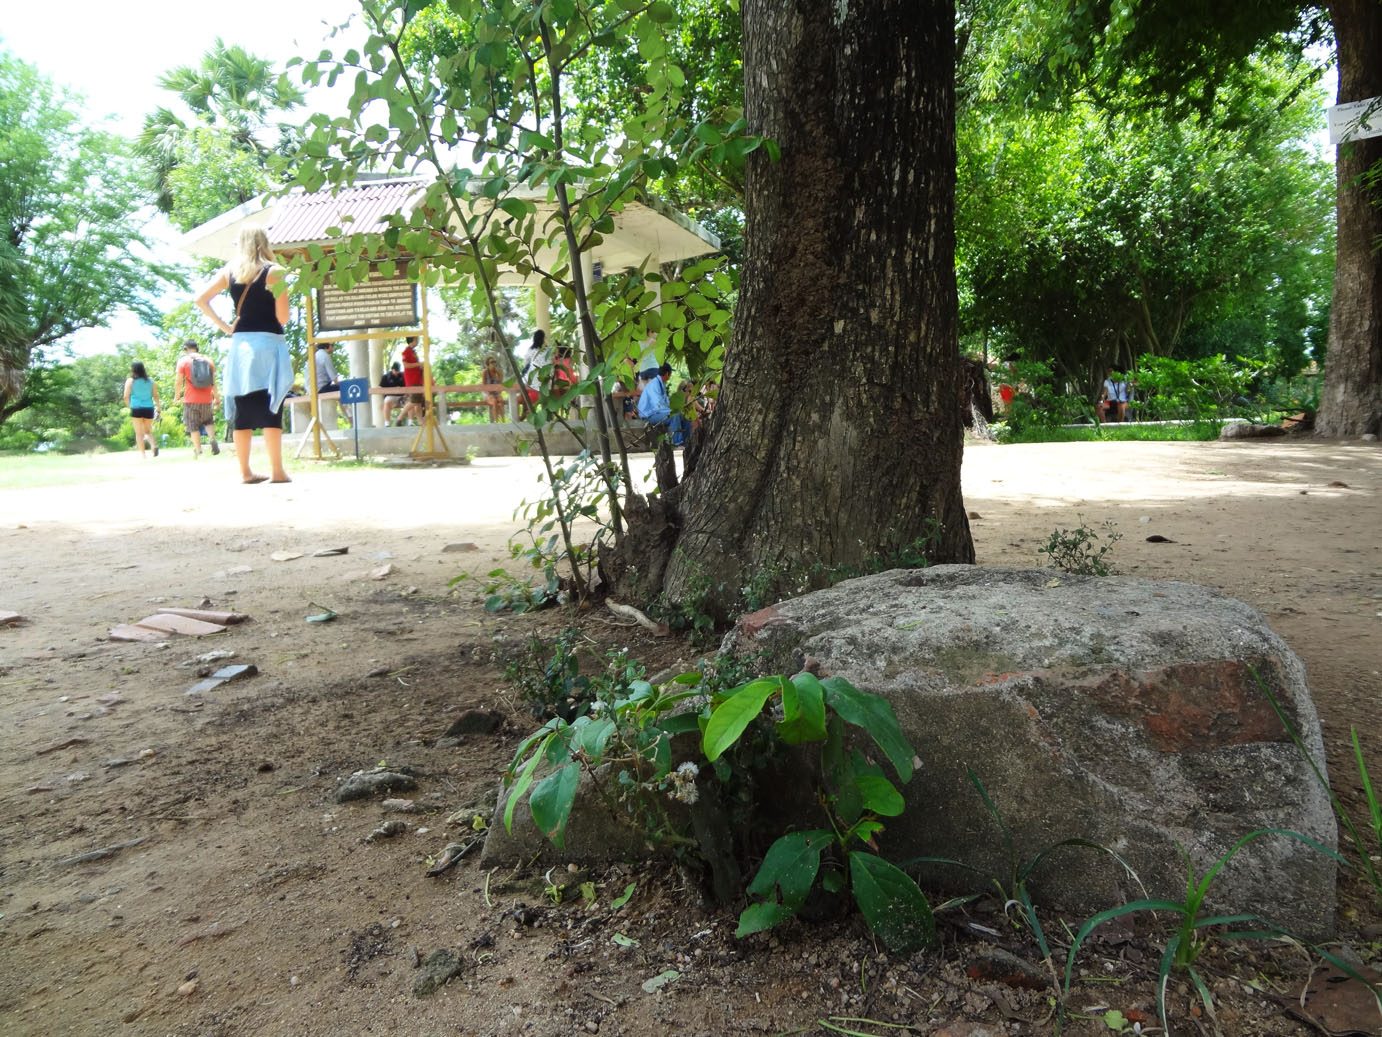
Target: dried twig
(61,745)
(104,851)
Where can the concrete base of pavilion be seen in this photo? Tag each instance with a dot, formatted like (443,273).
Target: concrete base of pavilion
(499,440)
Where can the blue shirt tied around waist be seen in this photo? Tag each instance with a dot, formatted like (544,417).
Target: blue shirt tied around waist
(141,393)
(256,360)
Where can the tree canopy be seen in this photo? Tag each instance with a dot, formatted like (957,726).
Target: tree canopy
(1088,237)
(72,218)
(215,153)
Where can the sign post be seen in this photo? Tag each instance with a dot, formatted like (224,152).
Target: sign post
(355,391)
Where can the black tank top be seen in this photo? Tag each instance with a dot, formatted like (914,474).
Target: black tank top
(256,304)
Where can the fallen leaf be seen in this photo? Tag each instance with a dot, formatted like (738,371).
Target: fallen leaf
(652,986)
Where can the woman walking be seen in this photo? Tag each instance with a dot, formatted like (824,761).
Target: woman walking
(141,397)
(258,370)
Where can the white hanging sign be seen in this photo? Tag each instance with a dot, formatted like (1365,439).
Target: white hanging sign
(1355,120)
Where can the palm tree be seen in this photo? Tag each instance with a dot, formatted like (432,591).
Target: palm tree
(231,91)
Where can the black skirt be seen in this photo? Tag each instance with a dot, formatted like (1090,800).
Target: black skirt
(252,412)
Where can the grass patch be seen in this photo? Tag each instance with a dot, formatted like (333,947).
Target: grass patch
(24,471)
(1194,432)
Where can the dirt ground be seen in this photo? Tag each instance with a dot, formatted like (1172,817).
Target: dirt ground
(248,901)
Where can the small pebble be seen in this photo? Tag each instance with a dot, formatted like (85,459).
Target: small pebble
(188,989)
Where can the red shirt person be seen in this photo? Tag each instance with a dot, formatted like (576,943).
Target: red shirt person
(412,378)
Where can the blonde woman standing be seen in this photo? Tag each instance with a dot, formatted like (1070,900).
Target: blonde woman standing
(258,371)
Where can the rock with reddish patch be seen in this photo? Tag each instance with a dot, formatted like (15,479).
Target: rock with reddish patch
(1122,711)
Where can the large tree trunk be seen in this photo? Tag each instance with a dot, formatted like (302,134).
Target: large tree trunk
(837,437)
(1351,400)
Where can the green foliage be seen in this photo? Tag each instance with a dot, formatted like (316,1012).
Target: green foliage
(549,679)
(1193,933)
(211,156)
(1197,432)
(72,245)
(629,729)
(1089,235)
(688,614)
(1197,390)
(491,83)
(854,795)
(1081,550)
(629,726)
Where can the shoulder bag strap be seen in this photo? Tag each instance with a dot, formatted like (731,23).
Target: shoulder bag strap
(241,301)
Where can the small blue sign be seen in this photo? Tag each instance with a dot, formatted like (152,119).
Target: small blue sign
(354,390)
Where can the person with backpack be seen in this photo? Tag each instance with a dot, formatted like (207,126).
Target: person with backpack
(194,386)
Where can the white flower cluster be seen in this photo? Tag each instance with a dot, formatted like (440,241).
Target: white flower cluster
(684,783)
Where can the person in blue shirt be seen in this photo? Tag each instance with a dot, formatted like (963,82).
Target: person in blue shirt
(141,396)
(655,408)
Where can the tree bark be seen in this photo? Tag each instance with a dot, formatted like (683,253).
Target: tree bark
(1351,399)
(837,436)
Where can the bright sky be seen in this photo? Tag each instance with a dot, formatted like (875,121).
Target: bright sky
(114,53)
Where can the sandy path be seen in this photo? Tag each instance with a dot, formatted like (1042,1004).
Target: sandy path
(235,800)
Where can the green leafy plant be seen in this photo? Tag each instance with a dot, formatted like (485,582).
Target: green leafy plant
(1206,389)
(1081,550)
(549,678)
(628,730)
(624,744)
(1193,933)
(854,794)
(687,614)
(541,184)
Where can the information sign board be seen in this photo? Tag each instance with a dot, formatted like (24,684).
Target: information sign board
(380,302)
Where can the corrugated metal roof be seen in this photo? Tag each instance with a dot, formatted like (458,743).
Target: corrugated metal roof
(363,208)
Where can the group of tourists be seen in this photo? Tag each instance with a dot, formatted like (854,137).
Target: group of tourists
(258,372)
(257,376)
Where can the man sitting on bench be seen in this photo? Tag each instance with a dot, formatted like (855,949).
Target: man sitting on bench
(656,409)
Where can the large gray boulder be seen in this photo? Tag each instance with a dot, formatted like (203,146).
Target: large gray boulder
(1118,710)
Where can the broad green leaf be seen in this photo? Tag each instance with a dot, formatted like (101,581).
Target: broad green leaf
(803,708)
(590,738)
(682,723)
(757,917)
(875,715)
(790,866)
(880,795)
(735,713)
(525,779)
(891,903)
(551,801)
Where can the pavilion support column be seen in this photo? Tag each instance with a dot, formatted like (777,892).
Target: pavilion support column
(359,368)
(542,319)
(542,311)
(376,368)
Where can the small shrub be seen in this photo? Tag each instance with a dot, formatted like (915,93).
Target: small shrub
(628,731)
(548,678)
(1081,550)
